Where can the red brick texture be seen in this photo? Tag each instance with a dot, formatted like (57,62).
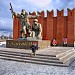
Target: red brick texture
(45,28)
(52,27)
(70,33)
(15,28)
(60,26)
(41,19)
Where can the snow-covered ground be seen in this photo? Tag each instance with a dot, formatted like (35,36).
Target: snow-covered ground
(2,44)
(21,68)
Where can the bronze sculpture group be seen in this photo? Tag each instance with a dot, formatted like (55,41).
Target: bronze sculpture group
(26,29)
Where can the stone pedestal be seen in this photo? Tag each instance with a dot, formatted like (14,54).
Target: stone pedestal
(34,38)
(26,44)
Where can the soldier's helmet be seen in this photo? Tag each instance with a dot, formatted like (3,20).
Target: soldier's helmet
(35,20)
(23,10)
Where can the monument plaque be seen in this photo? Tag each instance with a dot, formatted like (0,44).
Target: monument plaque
(26,44)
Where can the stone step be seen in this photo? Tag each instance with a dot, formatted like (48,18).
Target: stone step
(50,55)
(31,58)
(67,57)
(27,55)
(63,54)
(70,59)
(35,62)
(62,59)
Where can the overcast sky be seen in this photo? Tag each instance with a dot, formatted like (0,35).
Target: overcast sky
(30,6)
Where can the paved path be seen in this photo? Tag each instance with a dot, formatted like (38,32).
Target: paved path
(20,68)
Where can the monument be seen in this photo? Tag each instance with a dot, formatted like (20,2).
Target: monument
(57,27)
(28,33)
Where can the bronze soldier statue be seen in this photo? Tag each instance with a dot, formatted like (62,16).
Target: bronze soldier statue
(36,29)
(24,21)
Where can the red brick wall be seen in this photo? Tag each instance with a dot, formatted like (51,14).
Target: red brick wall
(74,24)
(15,28)
(44,28)
(50,25)
(65,26)
(70,33)
(60,26)
(41,19)
(53,27)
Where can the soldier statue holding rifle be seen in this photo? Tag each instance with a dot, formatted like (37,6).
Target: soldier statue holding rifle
(24,21)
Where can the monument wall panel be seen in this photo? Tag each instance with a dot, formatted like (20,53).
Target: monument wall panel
(15,28)
(70,29)
(54,27)
(60,29)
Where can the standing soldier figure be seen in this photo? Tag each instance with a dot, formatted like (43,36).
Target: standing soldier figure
(24,21)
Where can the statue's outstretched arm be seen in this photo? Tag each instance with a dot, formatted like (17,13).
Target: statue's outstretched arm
(35,16)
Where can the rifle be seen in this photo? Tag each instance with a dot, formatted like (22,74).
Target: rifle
(13,13)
